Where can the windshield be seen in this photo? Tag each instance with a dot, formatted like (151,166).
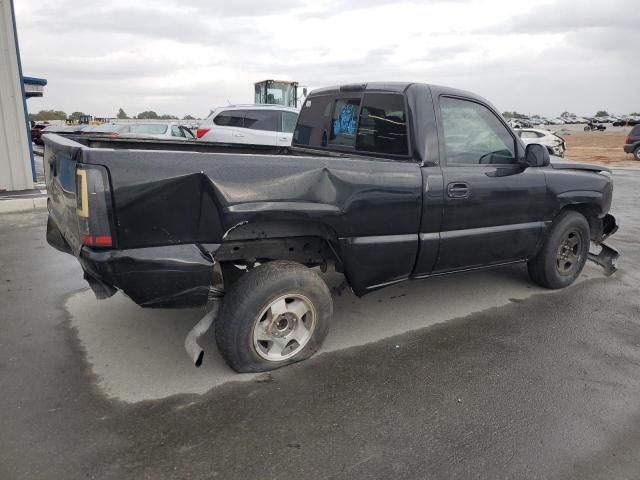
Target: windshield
(106,127)
(276,93)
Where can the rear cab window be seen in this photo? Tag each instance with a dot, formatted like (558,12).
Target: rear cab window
(369,123)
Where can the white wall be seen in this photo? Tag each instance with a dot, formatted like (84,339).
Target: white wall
(15,157)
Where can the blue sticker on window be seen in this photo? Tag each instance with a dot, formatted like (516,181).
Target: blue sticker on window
(346,121)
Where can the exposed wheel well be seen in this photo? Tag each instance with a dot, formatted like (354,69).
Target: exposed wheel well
(237,257)
(592,213)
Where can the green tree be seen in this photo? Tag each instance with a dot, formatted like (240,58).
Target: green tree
(188,117)
(148,115)
(75,116)
(122,114)
(567,115)
(602,113)
(635,114)
(167,117)
(48,115)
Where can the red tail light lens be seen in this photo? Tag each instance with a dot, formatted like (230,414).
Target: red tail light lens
(628,139)
(201,131)
(93,200)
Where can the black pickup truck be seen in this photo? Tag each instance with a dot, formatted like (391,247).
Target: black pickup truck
(385,182)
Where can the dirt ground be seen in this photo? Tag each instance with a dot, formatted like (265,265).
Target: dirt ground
(598,147)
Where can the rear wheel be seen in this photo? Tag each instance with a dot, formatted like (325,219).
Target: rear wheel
(274,315)
(636,153)
(564,253)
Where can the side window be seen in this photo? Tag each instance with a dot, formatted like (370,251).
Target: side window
(262,120)
(230,118)
(312,128)
(176,132)
(344,122)
(383,125)
(289,120)
(473,135)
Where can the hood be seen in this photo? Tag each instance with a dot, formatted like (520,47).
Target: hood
(563,164)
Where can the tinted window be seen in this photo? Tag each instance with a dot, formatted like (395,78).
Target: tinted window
(473,134)
(230,118)
(289,120)
(383,125)
(176,131)
(635,131)
(262,120)
(313,122)
(154,129)
(344,122)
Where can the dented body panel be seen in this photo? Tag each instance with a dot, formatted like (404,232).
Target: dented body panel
(175,212)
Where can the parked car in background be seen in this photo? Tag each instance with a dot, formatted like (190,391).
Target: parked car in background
(632,143)
(270,125)
(168,131)
(105,129)
(594,126)
(36,131)
(554,143)
(626,122)
(63,130)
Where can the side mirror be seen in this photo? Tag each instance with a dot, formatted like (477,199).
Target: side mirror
(537,155)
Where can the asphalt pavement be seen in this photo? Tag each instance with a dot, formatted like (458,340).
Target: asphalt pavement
(477,375)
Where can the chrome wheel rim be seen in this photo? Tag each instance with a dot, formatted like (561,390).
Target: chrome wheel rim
(569,253)
(284,327)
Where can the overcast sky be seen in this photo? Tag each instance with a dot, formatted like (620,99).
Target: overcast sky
(189,56)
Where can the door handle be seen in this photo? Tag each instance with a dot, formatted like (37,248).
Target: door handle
(458,190)
(284,139)
(238,134)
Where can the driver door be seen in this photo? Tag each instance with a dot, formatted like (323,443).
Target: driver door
(493,207)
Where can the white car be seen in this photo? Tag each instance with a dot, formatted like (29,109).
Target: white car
(165,131)
(554,143)
(271,125)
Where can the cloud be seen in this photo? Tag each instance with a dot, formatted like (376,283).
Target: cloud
(539,56)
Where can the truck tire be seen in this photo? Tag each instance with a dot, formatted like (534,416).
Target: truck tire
(274,315)
(636,153)
(564,252)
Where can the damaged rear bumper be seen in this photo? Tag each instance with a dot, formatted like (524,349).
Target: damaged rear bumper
(608,255)
(169,276)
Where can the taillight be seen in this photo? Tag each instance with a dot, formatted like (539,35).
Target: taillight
(628,139)
(201,131)
(113,134)
(93,206)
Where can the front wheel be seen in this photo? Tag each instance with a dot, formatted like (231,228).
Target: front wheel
(274,315)
(564,252)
